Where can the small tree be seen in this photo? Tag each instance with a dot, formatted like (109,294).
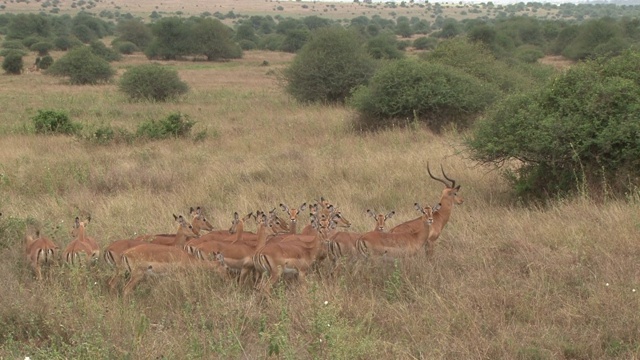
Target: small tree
(13,63)
(42,47)
(54,122)
(82,66)
(100,49)
(152,82)
(331,64)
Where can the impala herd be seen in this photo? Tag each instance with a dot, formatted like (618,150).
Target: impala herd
(263,257)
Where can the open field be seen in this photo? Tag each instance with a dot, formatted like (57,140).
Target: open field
(507,281)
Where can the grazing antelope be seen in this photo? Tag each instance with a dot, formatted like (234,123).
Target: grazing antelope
(343,243)
(397,244)
(40,251)
(293,254)
(153,259)
(82,245)
(441,215)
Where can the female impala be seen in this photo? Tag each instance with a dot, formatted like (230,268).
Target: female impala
(154,259)
(291,255)
(343,243)
(397,244)
(81,245)
(293,215)
(198,222)
(40,251)
(441,215)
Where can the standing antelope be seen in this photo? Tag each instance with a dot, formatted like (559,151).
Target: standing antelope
(198,222)
(441,215)
(343,243)
(40,251)
(294,254)
(397,244)
(154,259)
(293,215)
(82,245)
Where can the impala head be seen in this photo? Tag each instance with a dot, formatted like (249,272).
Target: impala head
(293,213)
(237,220)
(380,219)
(184,225)
(77,224)
(279,222)
(450,190)
(427,213)
(199,221)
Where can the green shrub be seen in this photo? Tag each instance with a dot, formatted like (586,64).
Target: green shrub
(529,53)
(64,43)
(82,66)
(42,48)
(384,46)
(175,125)
(247,44)
(54,122)
(425,43)
(326,69)
(100,49)
(272,42)
(152,82)
(477,60)
(7,52)
(414,89)
(12,63)
(578,132)
(126,47)
(45,62)
(12,44)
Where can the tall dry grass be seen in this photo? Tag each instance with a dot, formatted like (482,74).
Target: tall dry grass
(507,281)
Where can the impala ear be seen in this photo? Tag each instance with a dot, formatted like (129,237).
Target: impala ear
(191,210)
(77,222)
(302,207)
(175,217)
(457,187)
(390,215)
(371,213)
(284,207)
(89,219)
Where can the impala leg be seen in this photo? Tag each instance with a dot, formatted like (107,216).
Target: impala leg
(136,277)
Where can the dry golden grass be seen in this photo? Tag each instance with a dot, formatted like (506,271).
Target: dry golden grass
(506,282)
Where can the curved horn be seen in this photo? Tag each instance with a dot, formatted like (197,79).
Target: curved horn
(453,182)
(435,178)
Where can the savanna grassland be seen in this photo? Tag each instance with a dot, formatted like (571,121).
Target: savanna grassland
(507,281)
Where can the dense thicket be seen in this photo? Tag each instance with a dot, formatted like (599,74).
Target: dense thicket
(578,132)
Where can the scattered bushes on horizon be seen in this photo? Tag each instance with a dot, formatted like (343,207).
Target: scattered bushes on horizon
(577,133)
(152,82)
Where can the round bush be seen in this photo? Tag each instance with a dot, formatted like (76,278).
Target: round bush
(425,43)
(409,89)
(12,44)
(65,43)
(45,62)
(13,64)
(152,82)
(82,66)
(126,47)
(100,49)
(247,44)
(326,69)
(578,132)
